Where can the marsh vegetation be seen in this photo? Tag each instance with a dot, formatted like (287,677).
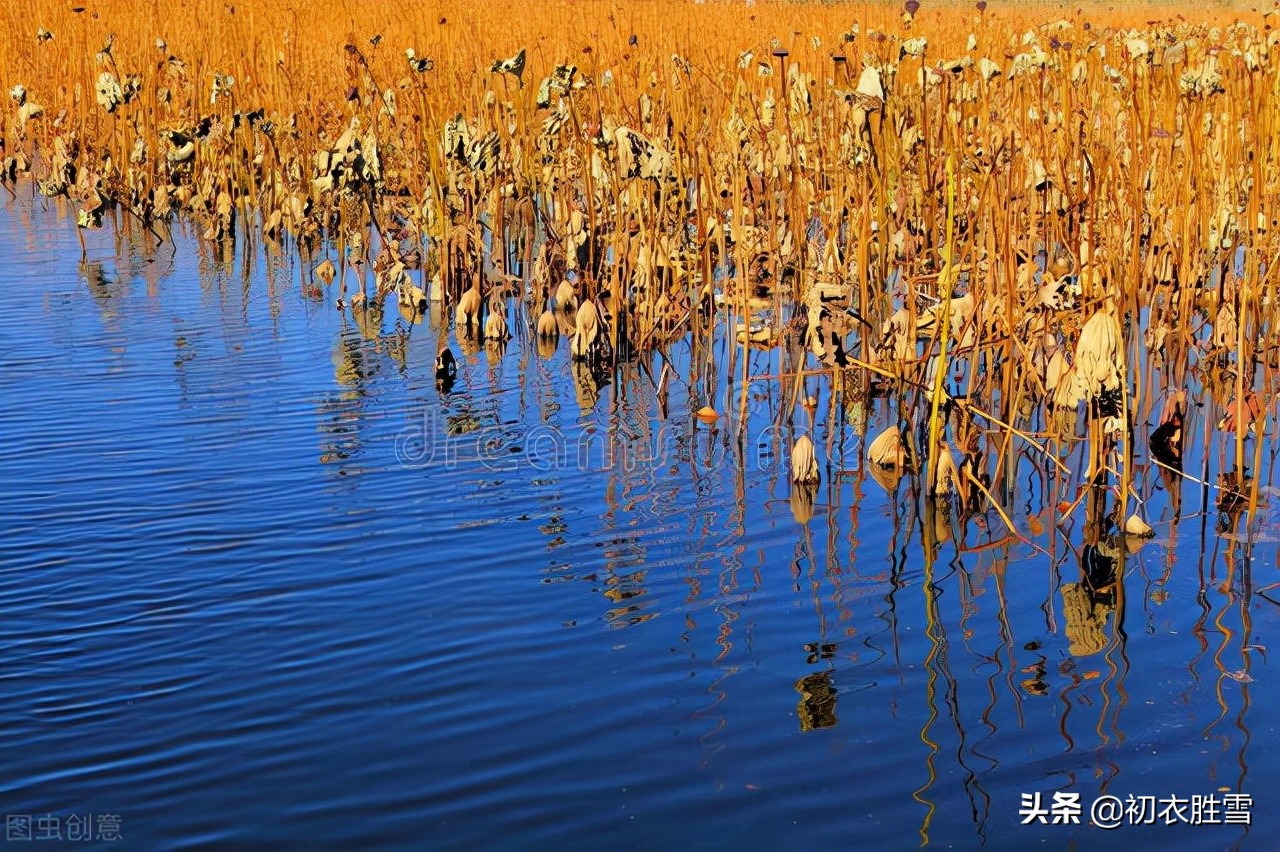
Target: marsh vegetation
(1022,230)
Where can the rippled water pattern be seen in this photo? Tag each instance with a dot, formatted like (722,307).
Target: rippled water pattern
(233,616)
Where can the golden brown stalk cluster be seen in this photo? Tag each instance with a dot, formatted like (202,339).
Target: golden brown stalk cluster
(1030,197)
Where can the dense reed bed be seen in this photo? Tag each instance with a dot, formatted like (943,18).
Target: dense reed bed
(1027,229)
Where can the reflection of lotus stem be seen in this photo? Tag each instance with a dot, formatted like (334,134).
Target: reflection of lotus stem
(931,696)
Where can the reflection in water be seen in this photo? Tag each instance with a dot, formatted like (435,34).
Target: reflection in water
(1234,621)
(396,345)
(356,363)
(446,368)
(352,365)
(339,424)
(410,313)
(623,579)
(817,706)
(1234,489)
(105,292)
(469,343)
(802,499)
(368,314)
(938,667)
(587,384)
(992,658)
(1087,604)
(185,352)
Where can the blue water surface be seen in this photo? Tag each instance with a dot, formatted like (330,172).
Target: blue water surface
(262,585)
